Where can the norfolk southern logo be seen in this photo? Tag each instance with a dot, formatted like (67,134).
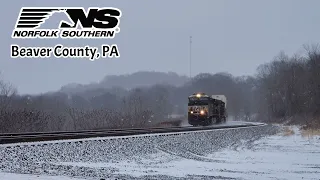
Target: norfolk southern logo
(95,23)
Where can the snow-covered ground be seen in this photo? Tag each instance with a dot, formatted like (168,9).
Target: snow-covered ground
(244,153)
(11,176)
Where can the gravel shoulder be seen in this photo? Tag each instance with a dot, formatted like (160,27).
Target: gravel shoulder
(264,152)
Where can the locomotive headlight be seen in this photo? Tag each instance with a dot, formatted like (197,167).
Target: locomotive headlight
(191,112)
(202,112)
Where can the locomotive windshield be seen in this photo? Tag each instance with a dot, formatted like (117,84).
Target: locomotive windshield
(198,101)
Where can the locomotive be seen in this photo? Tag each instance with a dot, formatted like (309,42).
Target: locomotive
(206,110)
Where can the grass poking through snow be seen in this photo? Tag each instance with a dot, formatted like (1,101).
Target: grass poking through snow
(288,131)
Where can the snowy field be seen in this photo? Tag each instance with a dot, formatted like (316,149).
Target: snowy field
(245,153)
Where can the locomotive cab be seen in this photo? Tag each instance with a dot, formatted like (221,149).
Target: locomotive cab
(204,110)
(199,109)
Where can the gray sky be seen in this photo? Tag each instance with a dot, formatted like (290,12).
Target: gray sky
(231,36)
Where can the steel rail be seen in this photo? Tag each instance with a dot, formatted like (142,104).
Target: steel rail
(84,131)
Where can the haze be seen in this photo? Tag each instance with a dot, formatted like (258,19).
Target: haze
(228,36)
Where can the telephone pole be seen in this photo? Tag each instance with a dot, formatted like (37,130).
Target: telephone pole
(190,55)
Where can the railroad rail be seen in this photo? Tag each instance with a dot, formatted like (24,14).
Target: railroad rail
(61,135)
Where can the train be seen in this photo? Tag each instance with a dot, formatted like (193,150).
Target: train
(206,110)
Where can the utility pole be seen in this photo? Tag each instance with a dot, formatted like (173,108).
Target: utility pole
(190,55)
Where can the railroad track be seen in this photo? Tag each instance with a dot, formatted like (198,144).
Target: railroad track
(61,135)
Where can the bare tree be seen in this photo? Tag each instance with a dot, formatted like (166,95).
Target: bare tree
(7,91)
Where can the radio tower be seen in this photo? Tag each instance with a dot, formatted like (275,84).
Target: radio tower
(190,56)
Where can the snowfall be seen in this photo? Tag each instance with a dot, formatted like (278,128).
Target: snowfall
(263,152)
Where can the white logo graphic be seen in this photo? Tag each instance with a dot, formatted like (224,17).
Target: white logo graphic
(95,23)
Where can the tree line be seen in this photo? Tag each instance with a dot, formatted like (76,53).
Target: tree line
(285,90)
(289,88)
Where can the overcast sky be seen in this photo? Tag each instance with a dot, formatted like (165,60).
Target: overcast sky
(231,36)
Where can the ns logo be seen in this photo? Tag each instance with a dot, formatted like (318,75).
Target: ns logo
(95,19)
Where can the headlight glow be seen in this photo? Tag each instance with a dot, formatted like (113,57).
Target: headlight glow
(202,112)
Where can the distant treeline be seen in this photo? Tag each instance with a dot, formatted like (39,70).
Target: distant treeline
(286,89)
